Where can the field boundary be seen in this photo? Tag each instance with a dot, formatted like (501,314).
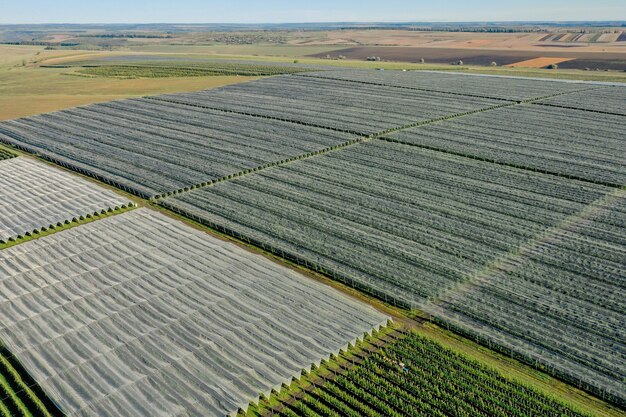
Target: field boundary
(528,100)
(72,166)
(561,106)
(327,371)
(258,168)
(506,164)
(298,122)
(360,139)
(518,77)
(400,87)
(509,261)
(533,363)
(288,256)
(364,137)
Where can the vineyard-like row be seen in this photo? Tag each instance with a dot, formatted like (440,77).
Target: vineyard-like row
(401,221)
(150,147)
(606,100)
(560,302)
(570,143)
(340,105)
(19,394)
(35,197)
(418,377)
(409,224)
(181,68)
(141,315)
(503,88)
(4,154)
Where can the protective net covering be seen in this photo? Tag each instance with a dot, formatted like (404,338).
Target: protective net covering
(35,195)
(139,314)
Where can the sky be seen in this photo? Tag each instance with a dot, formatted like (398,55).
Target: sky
(284,11)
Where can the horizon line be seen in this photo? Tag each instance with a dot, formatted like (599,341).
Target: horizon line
(324,22)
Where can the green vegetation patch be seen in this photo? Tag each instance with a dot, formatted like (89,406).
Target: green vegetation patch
(416,376)
(19,394)
(184,69)
(5,154)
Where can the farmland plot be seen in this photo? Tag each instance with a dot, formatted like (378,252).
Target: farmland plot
(401,222)
(565,142)
(35,196)
(340,105)
(148,147)
(503,88)
(423,228)
(415,376)
(560,302)
(138,314)
(607,100)
(180,68)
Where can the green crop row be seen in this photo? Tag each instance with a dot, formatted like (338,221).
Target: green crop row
(4,154)
(415,376)
(19,395)
(183,70)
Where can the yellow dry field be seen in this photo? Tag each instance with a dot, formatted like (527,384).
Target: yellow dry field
(540,62)
(608,37)
(11,55)
(29,89)
(510,41)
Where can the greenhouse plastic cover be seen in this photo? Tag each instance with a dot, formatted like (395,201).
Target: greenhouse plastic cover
(139,314)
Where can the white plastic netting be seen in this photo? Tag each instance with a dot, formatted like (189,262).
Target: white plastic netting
(138,314)
(35,195)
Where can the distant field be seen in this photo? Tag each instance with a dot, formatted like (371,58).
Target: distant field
(460,39)
(580,60)
(541,62)
(179,68)
(498,88)
(27,90)
(250,50)
(32,91)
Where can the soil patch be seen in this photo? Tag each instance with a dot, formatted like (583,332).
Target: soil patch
(573,59)
(540,62)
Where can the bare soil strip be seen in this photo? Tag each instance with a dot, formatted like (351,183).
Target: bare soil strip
(540,62)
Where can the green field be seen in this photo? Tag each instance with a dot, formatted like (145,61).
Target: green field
(414,376)
(165,69)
